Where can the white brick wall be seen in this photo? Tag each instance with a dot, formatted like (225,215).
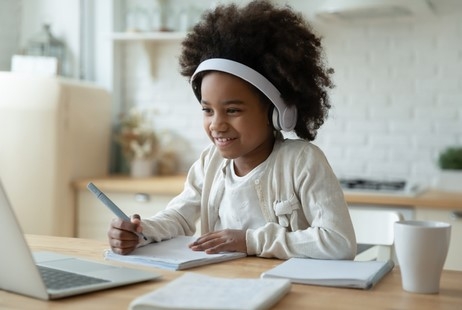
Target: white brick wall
(397,104)
(398,97)
(156,83)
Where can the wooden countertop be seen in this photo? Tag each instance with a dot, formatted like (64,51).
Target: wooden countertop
(430,198)
(162,185)
(173,185)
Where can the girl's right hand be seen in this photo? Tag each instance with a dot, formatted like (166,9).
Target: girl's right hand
(122,236)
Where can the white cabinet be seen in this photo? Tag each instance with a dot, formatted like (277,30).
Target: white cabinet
(94,218)
(454,258)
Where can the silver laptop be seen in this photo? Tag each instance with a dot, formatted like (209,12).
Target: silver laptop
(25,273)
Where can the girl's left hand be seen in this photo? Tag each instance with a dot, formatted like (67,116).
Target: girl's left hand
(227,240)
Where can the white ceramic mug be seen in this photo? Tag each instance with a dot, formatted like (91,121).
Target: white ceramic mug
(421,249)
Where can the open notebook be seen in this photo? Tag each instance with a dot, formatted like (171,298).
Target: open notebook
(172,254)
(27,274)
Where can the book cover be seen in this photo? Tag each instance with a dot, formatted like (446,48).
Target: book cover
(172,254)
(198,291)
(339,273)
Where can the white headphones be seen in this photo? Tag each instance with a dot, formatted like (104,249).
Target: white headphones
(283,117)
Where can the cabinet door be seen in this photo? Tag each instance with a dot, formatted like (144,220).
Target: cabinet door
(454,258)
(94,217)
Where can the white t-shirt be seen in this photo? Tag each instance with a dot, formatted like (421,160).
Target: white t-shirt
(240,208)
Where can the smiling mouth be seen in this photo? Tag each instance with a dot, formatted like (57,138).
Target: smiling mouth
(223,141)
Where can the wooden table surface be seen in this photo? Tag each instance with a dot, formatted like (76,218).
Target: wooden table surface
(387,294)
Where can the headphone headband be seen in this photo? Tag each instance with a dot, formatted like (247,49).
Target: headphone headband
(287,116)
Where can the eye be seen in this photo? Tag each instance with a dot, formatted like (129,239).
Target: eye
(207,111)
(232,110)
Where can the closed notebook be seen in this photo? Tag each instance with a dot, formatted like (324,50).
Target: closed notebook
(173,254)
(198,291)
(339,273)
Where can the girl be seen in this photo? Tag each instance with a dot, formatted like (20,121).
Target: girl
(256,70)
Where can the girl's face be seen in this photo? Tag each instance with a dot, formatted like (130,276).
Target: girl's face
(236,120)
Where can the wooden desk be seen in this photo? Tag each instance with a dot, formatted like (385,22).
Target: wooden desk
(385,295)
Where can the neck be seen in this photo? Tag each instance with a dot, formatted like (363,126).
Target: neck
(245,164)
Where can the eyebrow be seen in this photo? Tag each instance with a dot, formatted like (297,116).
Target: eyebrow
(226,102)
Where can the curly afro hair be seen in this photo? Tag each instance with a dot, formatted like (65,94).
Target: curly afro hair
(275,41)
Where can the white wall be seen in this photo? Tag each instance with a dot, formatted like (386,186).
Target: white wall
(398,100)
(9,31)
(65,26)
(154,82)
(397,103)
(20,20)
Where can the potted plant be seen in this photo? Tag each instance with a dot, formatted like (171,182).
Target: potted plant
(139,143)
(450,163)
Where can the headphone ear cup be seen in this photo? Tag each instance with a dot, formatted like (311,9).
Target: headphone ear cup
(275,118)
(284,122)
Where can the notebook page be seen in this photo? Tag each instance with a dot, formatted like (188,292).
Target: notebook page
(197,291)
(172,254)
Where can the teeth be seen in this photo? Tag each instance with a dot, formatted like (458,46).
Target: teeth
(223,139)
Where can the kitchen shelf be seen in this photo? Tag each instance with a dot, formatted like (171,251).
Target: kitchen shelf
(147,36)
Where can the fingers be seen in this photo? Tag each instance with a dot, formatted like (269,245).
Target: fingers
(136,219)
(123,228)
(204,242)
(218,245)
(122,237)
(221,241)
(123,246)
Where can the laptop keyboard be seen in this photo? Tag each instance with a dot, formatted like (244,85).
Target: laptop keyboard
(59,279)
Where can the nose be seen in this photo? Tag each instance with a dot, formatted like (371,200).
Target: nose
(218,123)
